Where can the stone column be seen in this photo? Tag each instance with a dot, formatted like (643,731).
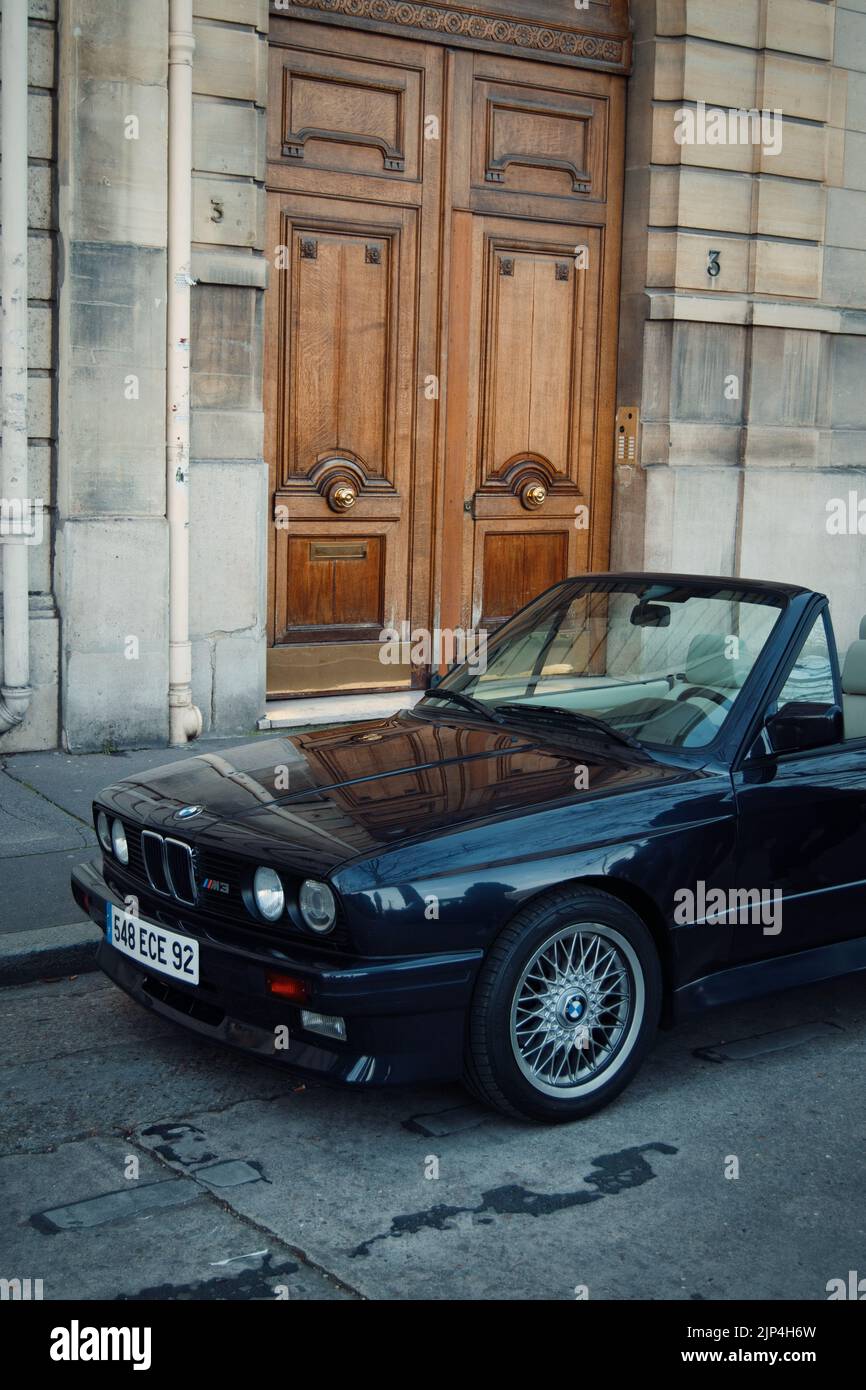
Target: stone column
(112,553)
(229,501)
(40,727)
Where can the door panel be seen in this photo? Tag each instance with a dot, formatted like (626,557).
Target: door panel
(535,263)
(345,419)
(801,818)
(530,318)
(342,113)
(344,296)
(515,566)
(536,351)
(345,336)
(545,142)
(534,319)
(352,204)
(334,582)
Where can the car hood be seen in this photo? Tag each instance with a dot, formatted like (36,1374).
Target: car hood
(341,793)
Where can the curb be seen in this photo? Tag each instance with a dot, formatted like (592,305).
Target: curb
(49,952)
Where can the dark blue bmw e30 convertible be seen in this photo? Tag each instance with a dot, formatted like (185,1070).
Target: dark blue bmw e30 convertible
(650,800)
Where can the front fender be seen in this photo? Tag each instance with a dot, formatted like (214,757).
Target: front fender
(456,890)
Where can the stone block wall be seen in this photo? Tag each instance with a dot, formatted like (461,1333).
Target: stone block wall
(111,574)
(112,542)
(40,726)
(753,421)
(229,484)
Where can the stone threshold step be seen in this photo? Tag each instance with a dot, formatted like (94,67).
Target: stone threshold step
(335,709)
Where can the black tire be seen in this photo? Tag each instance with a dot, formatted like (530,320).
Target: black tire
(495,1073)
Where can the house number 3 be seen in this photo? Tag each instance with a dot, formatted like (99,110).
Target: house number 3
(713,267)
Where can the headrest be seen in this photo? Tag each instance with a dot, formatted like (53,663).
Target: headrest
(854,670)
(862,629)
(708,663)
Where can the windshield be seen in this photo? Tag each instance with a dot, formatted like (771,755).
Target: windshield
(661,663)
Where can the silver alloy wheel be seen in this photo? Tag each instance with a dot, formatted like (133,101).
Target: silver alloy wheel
(577,1009)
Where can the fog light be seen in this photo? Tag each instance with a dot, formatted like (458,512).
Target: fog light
(287,987)
(327,1024)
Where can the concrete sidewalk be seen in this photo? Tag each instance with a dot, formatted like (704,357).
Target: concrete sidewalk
(46,828)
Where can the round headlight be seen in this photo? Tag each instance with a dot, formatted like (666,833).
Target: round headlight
(103,830)
(318,905)
(268,893)
(118,841)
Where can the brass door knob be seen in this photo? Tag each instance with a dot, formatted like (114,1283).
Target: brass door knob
(534,495)
(341,497)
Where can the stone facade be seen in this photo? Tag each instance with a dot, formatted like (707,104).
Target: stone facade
(41,726)
(111,578)
(229,487)
(751,383)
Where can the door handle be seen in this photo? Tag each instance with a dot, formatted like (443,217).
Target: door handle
(533,496)
(342,497)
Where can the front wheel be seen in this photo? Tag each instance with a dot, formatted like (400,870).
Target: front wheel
(566,1008)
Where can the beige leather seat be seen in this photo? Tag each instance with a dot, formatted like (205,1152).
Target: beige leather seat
(854,687)
(708,667)
(710,663)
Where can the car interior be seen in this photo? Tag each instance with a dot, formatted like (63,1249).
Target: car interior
(680,701)
(854,687)
(687,709)
(681,708)
(683,705)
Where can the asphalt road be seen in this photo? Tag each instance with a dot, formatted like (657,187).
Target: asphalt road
(136,1160)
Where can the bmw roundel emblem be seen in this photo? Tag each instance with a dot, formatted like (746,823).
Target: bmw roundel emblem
(187,812)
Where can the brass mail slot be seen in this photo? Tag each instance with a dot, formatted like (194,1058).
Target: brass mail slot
(338,550)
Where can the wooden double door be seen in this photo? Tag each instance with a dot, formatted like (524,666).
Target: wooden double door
(444,229)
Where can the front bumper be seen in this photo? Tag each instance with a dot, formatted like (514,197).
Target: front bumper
(405,1018)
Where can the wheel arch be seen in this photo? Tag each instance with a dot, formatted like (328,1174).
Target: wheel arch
(645,907)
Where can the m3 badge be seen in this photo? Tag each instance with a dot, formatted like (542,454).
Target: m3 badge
(214,885)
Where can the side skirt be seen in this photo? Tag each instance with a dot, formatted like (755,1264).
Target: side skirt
(768,976)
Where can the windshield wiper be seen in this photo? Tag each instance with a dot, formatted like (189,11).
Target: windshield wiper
(467,701)
(557,713)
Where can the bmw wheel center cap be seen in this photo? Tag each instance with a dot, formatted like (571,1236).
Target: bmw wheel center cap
(572,1007)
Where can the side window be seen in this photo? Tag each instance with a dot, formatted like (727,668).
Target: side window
(809,683)
(811,676)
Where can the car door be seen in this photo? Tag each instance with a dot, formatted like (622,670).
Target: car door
(802,821)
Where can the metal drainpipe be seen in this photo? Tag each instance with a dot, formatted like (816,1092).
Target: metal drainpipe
(185,720)
(15,693)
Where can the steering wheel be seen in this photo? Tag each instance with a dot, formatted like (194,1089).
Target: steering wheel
(703,690)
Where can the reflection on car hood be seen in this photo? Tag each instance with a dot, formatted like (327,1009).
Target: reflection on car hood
(339,793)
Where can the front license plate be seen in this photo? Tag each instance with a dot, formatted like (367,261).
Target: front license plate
(158,949)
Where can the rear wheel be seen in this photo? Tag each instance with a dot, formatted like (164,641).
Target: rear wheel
(566,1007)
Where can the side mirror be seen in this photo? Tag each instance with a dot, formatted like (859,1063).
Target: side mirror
(801,725)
